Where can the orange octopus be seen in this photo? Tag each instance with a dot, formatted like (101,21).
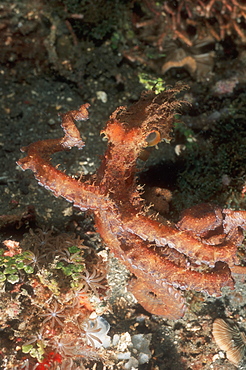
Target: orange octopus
(198,253)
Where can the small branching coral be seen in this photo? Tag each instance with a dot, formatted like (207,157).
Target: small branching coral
(197,253)
(52,298)
(186,18)
(182,33)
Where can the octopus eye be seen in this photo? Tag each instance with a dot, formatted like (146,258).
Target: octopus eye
(153,138)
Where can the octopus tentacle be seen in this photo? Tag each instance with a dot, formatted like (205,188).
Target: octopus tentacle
(167,301)
(83,195)
(182,241)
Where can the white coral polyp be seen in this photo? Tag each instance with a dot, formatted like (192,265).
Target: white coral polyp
(96,331)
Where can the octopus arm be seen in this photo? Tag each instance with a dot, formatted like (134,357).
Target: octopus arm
(182,241)
(83,195)
(145,263)
(167,301)
(148,265)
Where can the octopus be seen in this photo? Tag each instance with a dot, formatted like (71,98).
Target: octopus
(198,253)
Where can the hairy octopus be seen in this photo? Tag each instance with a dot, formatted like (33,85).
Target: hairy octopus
(197,253)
